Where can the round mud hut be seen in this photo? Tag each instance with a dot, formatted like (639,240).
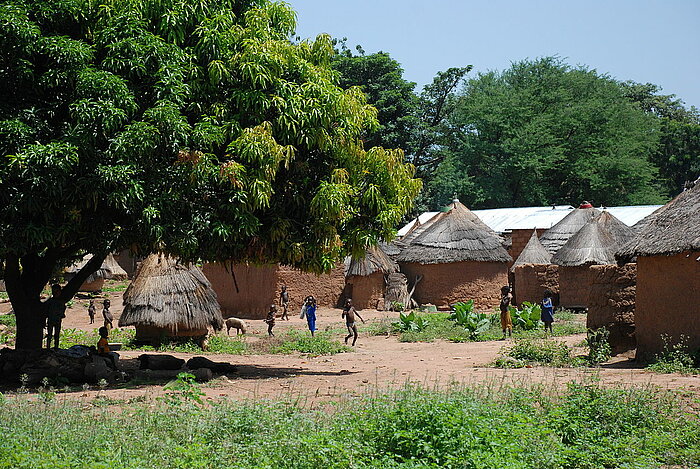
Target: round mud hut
(667,250)
(109,270)
(594,244)
(555,237)
(457,258)
(533,272)
(366,278)
(169,299)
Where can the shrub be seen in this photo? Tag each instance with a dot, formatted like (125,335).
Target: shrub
(410,322)
(537,351)
(320,344)
(676,358)
(598,346)
(463,314)
(528,317)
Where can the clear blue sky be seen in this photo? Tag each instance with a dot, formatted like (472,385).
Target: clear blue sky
(640,40)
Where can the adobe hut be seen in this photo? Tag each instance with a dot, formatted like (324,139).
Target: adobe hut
(247,290)
(534,273)
(458,257)
(109,270)
(594,244)
(170,299)
(365,278)
(555,237)
(667,250)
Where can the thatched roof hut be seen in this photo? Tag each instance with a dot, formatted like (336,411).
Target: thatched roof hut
(595,243)
(109,270)
(533,253)
(555,237)
(453,236)
(365,282)
(672,229)
(169,298)
(457,256)
(667,250)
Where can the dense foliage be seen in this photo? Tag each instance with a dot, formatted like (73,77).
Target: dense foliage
(197,128)
(588,427)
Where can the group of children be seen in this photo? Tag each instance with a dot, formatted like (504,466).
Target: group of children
(308,312)
(546,316)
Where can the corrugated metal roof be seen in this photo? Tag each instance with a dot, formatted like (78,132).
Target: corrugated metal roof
(519,218)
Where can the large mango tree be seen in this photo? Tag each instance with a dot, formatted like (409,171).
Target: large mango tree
(193,127)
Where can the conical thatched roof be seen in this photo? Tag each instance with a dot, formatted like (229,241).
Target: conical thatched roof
(374,260)
(595,243)
(533,253)
(453,236)
(673,229)
(167,294)
(555,237)
(110,269)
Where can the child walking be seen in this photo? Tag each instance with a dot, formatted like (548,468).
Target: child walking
(349,313)
(107,315)
(270,320)
(310,313)
(547,315)
(284,303)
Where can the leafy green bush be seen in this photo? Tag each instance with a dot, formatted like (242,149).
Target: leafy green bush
(526,318)
(598,346)
(463,314)
(397,306)
(676,358)
(410,322)
(536,351)
(9,320)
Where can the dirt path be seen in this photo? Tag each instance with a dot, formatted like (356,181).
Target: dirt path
(378,362)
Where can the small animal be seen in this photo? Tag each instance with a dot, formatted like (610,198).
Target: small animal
(235,323)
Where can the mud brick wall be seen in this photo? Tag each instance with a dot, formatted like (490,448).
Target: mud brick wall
(531,280)
(574,286)
(367,292)
(445,284)
(260,286)
(667,301)
(611,303)
(519,239)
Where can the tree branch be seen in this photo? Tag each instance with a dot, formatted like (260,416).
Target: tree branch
(71,288)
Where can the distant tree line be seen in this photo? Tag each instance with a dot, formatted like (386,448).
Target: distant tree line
(541,132)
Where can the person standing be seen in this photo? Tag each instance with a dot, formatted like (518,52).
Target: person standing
(91,311)
(55,312)
(506,302)
(349,313)
(284,303)
(547,315)
(107,315)
(310,313)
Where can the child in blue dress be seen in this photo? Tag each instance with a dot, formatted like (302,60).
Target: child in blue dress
(547,315)
(310,312)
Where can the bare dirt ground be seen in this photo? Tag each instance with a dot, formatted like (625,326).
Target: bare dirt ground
(377,362)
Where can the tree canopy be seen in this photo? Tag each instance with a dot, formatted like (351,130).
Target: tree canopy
(192,127)
(544,132)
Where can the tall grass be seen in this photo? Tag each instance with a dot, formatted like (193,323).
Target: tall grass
(486,427)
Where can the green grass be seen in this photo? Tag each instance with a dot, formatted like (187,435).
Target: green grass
(289,342)
(440,327)
(458,427)
(9,320)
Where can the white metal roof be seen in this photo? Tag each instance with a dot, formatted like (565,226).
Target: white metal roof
(519,218)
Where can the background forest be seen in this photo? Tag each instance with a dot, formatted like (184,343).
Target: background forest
(541,132)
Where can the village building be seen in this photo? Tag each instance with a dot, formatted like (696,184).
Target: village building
(667,250)
(557,236)
(594,244)
(366,278)
(533,273)
(109,270)
(170,299)
(457,257)
(247,290)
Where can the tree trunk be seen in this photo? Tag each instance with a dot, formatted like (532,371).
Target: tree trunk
(25,279)
(30,324)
